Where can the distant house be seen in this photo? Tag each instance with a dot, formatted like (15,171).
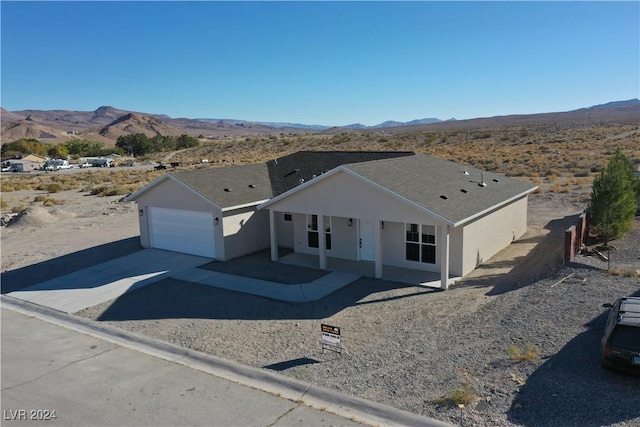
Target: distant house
(27,163)
(393,209)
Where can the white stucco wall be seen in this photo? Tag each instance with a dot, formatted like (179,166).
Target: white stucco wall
(344,238)
(342,195)
(284,231)
(486,236)
(246,230)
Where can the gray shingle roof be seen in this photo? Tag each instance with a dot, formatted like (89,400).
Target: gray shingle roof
(243,184)
(271,178)
(424,180)
(287,172)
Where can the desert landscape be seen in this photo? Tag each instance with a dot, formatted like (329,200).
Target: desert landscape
(516,342)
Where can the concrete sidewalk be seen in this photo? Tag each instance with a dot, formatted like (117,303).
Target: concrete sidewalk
(107,281)
(94,285)
(303,292)
(293,395)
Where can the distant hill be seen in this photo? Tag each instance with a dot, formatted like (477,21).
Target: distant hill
(106,123)
(27,128)
(136,123)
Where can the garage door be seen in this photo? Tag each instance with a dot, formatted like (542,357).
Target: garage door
(182,231)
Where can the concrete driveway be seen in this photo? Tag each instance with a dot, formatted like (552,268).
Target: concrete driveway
(103,282)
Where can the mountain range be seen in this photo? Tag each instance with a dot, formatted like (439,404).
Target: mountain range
(106,123)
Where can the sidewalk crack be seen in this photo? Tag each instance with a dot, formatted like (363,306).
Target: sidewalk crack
(58,370)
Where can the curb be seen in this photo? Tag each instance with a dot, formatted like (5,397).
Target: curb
(335,402)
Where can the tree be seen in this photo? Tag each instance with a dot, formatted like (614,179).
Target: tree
(136,144)
(23,147)
(613,199)
(186,141)
(58,151)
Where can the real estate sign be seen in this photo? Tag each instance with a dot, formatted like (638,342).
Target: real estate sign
(330,337)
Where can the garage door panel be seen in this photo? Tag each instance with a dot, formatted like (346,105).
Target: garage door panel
(182,231)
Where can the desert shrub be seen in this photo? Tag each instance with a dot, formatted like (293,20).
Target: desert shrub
(39,198)
(529,354)
(460,396)
(114,190)
(18,208)
(53,202)
(624,273)
(581,173)
(54,188)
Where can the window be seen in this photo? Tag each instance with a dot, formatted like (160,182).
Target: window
(313,238)
(420,243)
(287,216)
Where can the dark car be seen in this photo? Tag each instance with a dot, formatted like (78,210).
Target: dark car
(621,341)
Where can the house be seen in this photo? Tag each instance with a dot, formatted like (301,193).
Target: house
(27,163)
(394,209)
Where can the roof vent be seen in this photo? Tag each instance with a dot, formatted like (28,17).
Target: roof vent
(228,190)
(443,197)
(482,183)
(292,172)
(313,176)
(465,171)
(252,186)
(463,190)
(495,180)
(301,180)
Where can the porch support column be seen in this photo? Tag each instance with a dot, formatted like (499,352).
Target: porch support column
(322,252)
(377,243)
(444,257)
(273,235)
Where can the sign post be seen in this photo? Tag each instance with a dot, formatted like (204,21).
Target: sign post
(330,338)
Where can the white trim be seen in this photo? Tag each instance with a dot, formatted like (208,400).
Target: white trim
(494,207)
(246,205)
(157,181)
(396,195)
(358,176)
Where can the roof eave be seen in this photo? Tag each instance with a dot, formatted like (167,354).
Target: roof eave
(245,205)
(134,196)
(494,207)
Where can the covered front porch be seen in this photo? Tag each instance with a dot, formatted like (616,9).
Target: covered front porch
(340,220)
(367,269)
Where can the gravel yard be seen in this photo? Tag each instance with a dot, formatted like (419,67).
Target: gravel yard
(409,347)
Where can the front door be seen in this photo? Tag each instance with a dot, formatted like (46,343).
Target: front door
(366,243)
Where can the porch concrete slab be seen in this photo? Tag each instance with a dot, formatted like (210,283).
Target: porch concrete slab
(303,292)
(289,293)
(230,282)
(326,285)
(367,269)
(106,281)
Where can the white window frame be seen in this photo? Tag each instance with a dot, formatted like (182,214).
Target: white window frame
(314,229)
(422,243)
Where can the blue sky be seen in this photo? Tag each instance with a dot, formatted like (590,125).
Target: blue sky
(319,63)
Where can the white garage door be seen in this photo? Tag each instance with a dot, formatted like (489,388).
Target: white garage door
(187,232)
